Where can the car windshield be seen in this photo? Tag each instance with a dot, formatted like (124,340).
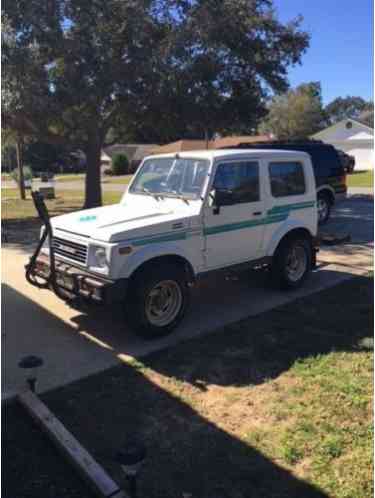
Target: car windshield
(179,177)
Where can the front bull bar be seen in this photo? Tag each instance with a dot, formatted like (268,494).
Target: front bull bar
(32,276)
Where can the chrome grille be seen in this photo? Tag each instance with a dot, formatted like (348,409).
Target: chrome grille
(71,250)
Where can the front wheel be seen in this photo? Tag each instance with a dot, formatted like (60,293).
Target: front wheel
(292,263)
(158,300)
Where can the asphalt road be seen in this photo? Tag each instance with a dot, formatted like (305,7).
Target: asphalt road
(75,343)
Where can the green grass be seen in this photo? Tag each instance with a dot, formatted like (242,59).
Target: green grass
(13,208)
(124,180)
(70,177)
(328,430)
(80,177)
(361,179)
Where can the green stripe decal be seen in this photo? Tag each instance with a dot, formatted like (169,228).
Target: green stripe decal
(291,207)
(274,215)
(163,238)
(245,224)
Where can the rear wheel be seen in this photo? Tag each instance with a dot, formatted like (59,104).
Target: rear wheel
(158,300)
(292,262)
(324,208)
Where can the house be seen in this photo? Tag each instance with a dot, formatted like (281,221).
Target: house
(134,152)
(186,145)
(233,141)
(353,137)
(180,146)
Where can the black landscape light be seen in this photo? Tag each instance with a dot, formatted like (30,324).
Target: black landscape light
(31,364)
(131,458)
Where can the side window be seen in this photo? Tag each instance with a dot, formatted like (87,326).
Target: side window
(240,180)
(287,178)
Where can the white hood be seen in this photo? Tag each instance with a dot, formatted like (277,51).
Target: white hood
(138,215)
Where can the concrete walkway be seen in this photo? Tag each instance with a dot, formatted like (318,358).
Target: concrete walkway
(75,344)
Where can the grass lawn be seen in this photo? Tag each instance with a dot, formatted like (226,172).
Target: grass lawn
(276,406)
(123,180)
(361,179)
(74,177)
(12,208)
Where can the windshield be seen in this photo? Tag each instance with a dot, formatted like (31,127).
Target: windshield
(171,177)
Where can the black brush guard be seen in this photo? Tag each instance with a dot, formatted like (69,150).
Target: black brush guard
(48,282)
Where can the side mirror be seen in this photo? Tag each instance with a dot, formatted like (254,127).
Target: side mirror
(220,197)
(223,197)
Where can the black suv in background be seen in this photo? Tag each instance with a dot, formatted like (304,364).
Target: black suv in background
(347,161)
(330,174)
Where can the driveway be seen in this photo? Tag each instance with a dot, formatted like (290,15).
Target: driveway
(75,344)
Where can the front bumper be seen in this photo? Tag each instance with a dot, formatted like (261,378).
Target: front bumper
(75,282)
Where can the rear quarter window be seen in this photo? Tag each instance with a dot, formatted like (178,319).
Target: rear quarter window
(287,178)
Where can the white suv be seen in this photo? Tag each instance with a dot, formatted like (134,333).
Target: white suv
(183,216)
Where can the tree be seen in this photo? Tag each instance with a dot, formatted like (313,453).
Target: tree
(13,143)
(8,157)
(348,107)
(296,114)
(367,117)
(45,157)
(223,59)
(120,165)
(162,69)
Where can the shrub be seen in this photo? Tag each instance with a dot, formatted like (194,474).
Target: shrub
(120,165)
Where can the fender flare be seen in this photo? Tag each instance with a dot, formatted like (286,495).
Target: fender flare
(153,251)
(282,231)
(329,189)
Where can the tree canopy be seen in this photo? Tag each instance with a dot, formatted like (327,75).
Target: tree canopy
(158,69)
(296,114)
(347,107)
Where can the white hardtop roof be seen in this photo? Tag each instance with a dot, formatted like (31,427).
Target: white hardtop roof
(220,153)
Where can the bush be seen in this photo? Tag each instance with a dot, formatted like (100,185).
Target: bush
(27,174)
(108,172)
(120,165)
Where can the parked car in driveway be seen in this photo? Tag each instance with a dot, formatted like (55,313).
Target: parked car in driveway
(183,217)
(347,161)
(329,171)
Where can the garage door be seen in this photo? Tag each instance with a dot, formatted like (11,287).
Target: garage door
(362,150)
(364,158)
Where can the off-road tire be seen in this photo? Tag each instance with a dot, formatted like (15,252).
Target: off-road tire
(279,272)
(139,291)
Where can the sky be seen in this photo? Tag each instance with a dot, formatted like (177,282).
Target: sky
(340,55)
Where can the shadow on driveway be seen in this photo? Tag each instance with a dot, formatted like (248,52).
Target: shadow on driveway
(188,453)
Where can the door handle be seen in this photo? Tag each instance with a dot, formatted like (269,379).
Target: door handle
(257,213)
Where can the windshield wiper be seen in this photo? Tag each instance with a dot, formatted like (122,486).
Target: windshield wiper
(153,194)
(179,196)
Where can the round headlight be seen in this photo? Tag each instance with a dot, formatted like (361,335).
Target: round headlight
(101,257)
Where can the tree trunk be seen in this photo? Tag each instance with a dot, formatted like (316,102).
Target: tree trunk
(21,182)
(93,189)
(206,137)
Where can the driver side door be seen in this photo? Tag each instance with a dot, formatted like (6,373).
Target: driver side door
(234,231)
